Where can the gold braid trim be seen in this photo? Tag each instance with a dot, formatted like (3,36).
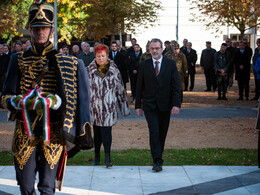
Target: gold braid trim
(68,69)
(52,151)
(84,128)
(22,146)
(4,99)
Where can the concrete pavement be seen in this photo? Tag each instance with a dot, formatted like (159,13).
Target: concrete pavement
(206,113)
(141,180)
(188,113)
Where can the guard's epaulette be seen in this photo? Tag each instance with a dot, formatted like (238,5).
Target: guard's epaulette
(68,70)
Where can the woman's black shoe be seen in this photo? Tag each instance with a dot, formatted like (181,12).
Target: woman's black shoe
(97,159)
(108,161)
(95,163)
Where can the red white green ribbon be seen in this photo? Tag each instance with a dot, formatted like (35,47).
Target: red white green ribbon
(26,118)
(46,103)
(46,116)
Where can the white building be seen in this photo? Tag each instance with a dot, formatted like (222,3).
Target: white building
(193,31)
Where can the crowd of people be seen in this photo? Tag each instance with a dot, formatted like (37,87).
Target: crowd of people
(219,67)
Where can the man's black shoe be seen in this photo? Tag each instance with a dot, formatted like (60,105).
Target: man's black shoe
(157,167)
(240,99)
(219,98)
(207,90)
(246,98)
(190,89)
(255,98)
(224,98)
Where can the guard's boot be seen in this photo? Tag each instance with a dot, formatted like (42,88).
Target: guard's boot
(108,160)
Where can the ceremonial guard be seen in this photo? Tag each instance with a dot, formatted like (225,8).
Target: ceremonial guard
(48,96)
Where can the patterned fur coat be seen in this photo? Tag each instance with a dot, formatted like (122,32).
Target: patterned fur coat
(106,95)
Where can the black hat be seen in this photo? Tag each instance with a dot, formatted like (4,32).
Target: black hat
(40,15)
(208,42)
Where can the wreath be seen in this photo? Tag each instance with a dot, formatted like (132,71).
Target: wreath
(38,100)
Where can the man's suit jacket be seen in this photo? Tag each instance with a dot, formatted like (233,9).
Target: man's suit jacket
(162,92)
(243,59)
(134,61)
(120,62)
(191,58)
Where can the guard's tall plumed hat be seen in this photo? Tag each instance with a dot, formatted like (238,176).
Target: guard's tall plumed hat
(40,15)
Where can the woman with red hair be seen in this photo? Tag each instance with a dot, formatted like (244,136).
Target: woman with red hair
(107,94)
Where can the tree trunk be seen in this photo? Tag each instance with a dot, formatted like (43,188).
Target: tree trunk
(242,34)
(113,37)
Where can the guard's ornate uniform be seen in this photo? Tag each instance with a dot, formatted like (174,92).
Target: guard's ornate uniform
(56,74)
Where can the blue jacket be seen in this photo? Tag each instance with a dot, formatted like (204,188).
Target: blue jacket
(257,67)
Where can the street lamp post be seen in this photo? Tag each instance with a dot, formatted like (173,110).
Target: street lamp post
(177,25)
(55,25)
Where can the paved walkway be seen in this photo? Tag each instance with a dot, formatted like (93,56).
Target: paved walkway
(141,180)
(207,113)
(189,113)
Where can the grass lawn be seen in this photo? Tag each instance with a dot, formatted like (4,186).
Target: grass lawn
(172,157)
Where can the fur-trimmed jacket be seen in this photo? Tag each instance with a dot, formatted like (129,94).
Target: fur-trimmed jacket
(106,95)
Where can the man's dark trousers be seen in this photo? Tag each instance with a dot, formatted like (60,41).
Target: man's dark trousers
(243,84)
(158,123)
(210,78)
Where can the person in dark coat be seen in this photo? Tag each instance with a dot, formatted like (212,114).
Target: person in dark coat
(221,64)
(158,93)
(119,60)
(131,50)
(191,56)
(86,55)
(125,55)
(242,64)
(75,50)
(184,46)
(133,69)
(231,52)
(4,64)
(1,65)
(207,63)
(167,45)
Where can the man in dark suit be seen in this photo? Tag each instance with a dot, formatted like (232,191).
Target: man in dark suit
(119,60)
(191,56)
(133,68)
(131,50)
(184,47)
(158,86)
(242,64)
(231,52)
(125,55)
(4,64)
(207,63)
